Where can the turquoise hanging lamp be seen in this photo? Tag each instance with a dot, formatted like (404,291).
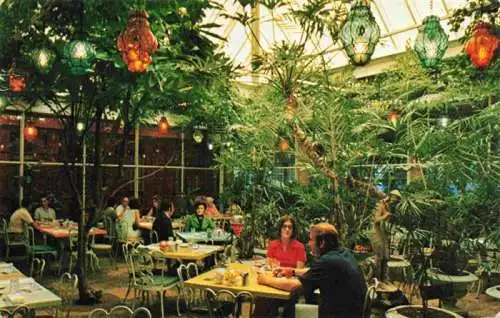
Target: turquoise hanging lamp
(431,42)
(79,56)
(360,33)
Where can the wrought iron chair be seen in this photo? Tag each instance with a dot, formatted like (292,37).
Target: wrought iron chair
(18,312)
(306,311)
(143,263)
(127,249)
(192,302)
(121,311)
(35,250)
(10,242)
(38,268)
(371,294)
(67,289)
(153,237)
(109,245)
(224,303)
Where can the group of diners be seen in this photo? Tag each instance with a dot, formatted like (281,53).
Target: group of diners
(22,216)
(128,216)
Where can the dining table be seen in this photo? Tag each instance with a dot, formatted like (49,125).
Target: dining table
(59,232)
(18,290)
(209,280)
(199,237)
(147,224)
(190,253)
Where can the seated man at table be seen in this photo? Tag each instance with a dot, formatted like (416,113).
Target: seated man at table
(163,221)
(18,219)
(122,209)
(198,222)
(335,273)
(44,212)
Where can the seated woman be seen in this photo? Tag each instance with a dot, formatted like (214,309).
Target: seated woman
(198,222)
(131,217)
(211,210)
(153,211)
(163,222)
(287,250)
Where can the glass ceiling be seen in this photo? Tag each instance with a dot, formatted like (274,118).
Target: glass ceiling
(398,21)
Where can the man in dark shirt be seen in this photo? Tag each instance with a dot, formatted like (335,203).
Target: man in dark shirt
(335,273)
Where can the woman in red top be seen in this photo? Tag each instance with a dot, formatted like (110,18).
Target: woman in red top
(287,250)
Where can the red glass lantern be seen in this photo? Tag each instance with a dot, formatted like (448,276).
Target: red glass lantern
(393,118)
(482,46)
(30,133)
(17,81)
(284,145)
(136,42)
(163,125)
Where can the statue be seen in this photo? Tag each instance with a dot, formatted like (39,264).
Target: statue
(380,244)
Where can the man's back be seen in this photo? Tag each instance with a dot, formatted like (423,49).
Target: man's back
(341,284)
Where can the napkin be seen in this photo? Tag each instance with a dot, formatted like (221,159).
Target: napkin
(16,298)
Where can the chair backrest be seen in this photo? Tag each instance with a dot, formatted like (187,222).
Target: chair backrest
(221,303)
(66,288)
(186,272)
(18,312)
(242,298)
(306,311)
(110,227)
(121,227)
(371,294)
(141,266)
(153,236)
(38,268)
(121,311)
(30,235)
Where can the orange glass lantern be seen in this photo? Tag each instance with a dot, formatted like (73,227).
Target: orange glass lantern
(163,125)
(136,42)
(393,118)
(284,145)
(17,80)
(482,46)
(30,132)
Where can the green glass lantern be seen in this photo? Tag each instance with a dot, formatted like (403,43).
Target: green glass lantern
(360,33)
(4,101)
(431,42)
(198,136)
(79,55)
(43,59)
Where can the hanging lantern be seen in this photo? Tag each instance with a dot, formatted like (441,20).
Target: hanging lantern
(136,42)
(431,42)
(284,145)
(163,125)
(79,55)
(482,46)
(30,132)
(393,119)
(3,101)
(17,79)
(43,59)
(360,33)
(443,121)
(198,136)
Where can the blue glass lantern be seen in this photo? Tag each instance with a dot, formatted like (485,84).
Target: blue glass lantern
(360,33)
(431,42)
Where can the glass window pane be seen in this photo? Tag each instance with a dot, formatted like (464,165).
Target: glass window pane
(201,182)
(9,137)
(9,185)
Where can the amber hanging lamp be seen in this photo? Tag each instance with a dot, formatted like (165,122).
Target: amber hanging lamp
(482,46)
(360,33)
(284,145)
(163,125)
(17,79)
(137,42)
(30,132)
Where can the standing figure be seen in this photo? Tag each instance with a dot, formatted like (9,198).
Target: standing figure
(380,243)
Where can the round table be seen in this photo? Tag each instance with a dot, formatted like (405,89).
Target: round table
(494,292)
